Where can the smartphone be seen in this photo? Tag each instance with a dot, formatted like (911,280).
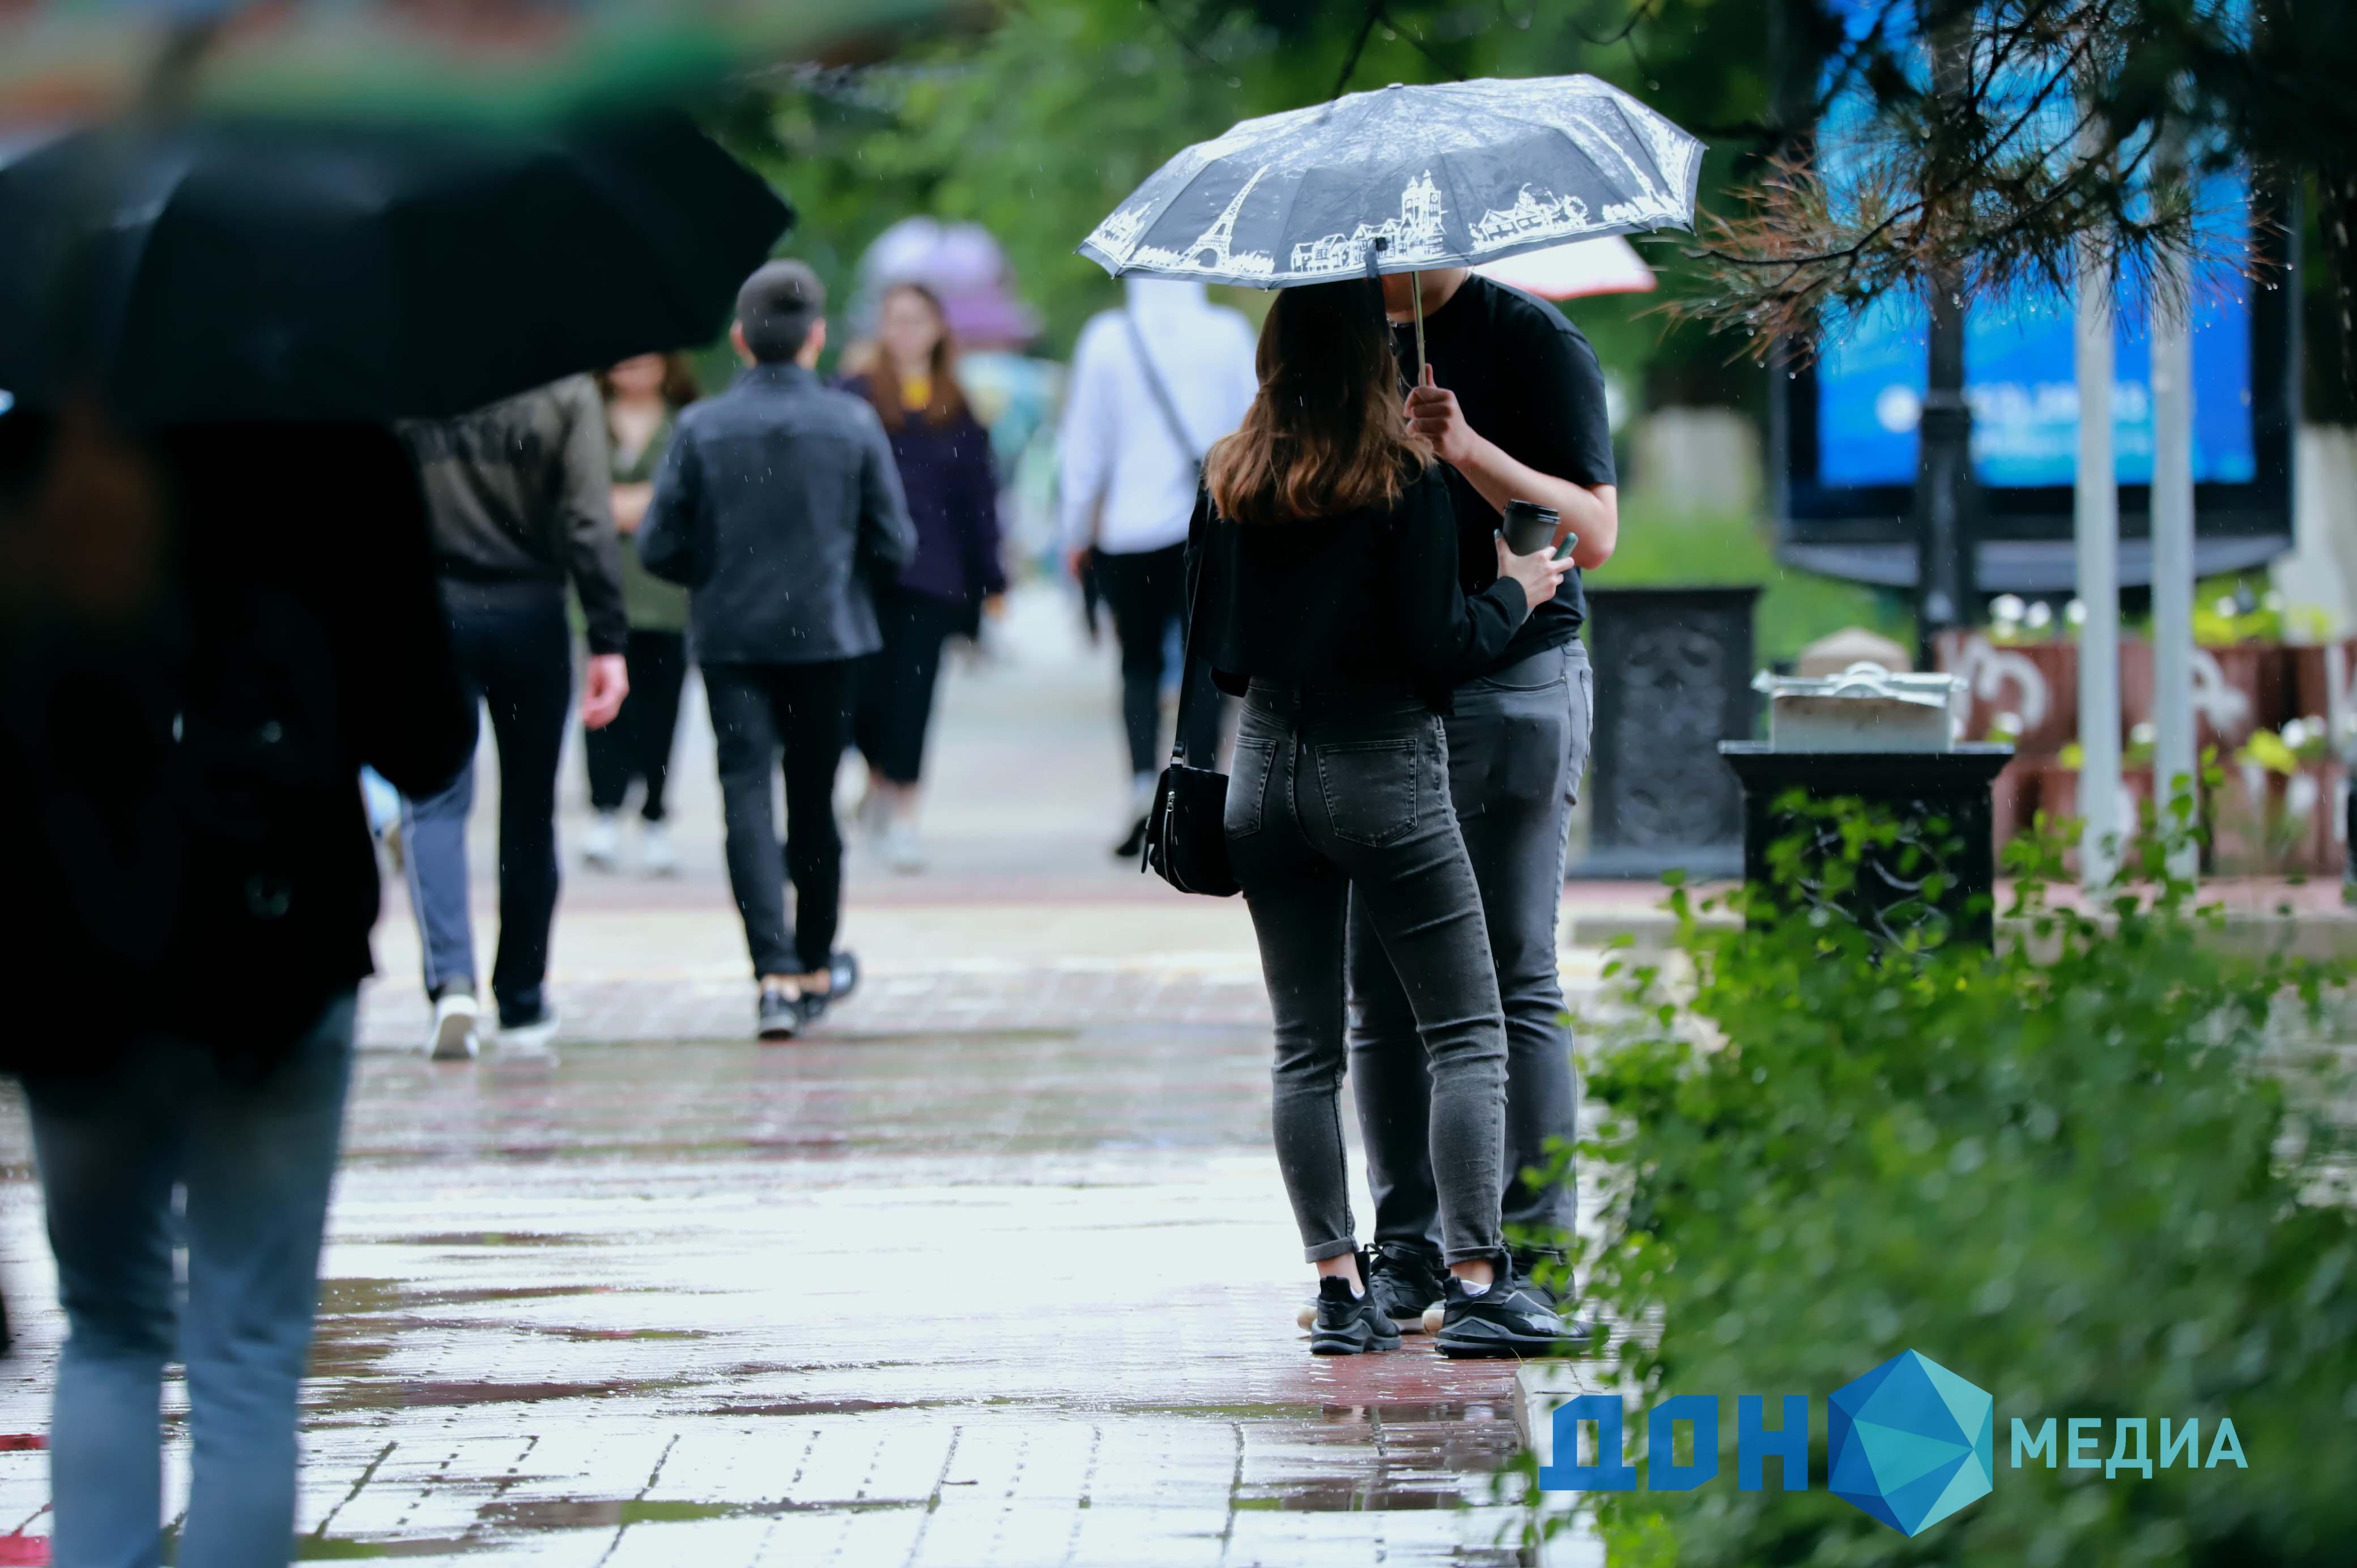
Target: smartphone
(1570,542)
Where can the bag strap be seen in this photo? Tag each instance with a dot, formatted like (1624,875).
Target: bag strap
(1161,391)
(1197,538)
(1198,548)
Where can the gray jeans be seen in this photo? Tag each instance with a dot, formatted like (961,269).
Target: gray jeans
(1335,805)
(1517,745)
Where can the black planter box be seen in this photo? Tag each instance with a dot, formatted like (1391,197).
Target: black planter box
(1673,679)
(1951,785)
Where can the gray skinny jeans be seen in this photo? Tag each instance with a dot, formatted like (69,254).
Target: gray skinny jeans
(1335,802)
(1517,745)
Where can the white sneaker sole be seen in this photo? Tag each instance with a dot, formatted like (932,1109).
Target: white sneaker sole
(455,1039)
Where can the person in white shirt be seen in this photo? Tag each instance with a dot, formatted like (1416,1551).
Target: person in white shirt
(1153,386)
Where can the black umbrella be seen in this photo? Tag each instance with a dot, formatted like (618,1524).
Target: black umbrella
(276,271)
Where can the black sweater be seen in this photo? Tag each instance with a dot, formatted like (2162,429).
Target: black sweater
(1365,601)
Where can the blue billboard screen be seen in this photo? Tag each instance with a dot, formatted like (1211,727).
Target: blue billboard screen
(2020,381)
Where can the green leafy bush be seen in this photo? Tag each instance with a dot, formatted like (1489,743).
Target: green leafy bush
(2095,1172)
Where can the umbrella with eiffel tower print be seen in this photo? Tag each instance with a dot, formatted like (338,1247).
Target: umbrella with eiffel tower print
(1406,179)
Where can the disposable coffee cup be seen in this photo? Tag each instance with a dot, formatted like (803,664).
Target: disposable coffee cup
(1529,527)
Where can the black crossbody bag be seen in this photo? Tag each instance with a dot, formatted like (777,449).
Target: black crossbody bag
(1186,830)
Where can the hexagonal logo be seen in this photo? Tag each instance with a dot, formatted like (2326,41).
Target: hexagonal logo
(1911,1443)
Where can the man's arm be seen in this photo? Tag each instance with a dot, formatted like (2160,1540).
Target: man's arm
(585,493)
(674,541)
(1591,512)
(1084,447)
(593,550)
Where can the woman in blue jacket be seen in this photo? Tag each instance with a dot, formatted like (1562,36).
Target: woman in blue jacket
(943,455)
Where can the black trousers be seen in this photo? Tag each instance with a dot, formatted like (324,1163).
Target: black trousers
(801,713)
(637,744)
(516,654)
(895,704)
(1148,595)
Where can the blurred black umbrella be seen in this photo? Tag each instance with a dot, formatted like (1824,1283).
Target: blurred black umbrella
(282,271)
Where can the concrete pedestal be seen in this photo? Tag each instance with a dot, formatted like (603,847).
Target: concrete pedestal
(1953,785)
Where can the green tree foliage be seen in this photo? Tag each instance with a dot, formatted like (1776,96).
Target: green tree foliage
(1039,122)
(2090,1172)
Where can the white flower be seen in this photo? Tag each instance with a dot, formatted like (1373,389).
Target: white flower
(2075,612)
(2041,614)
(2295,734)
(2143,733)
(2007,608)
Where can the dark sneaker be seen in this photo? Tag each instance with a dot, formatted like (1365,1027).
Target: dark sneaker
(1508,1319)
(1563,1298)
(1348,1324)
(843,974)
(1403,1284)
(778,1015)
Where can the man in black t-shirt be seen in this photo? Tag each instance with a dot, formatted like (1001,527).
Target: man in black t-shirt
(1512,401)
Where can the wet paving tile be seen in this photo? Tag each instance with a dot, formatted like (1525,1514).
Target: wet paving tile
(947,1300)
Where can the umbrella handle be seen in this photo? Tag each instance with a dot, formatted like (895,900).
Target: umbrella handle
(1416,293)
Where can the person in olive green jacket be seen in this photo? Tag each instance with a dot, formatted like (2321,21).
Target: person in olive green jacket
(643,395)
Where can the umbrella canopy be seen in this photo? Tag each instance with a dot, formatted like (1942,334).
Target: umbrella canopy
(283,271)
(1453,174)
(503,59)
(1609,265)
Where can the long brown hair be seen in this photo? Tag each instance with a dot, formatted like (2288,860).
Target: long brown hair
(680,386)
(1326,434)
(945,400)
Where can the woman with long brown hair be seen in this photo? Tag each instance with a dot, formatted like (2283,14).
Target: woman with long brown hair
(644,397)
(943,455)
(1333,607)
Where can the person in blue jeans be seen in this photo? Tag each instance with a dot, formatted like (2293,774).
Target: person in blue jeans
(519,495)
(185,731)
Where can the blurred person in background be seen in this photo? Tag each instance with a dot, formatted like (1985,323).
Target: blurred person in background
(204,636)
(519,496)
(1153,386)
(644,397)
(778,506)
(946,473)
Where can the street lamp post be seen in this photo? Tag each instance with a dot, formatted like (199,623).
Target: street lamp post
(1943,474)
(2172,560)
(2097,531)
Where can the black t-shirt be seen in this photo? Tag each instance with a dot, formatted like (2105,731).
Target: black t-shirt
(1527,379)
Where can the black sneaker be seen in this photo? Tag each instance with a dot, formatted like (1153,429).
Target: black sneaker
(1348,1324)
(1508,1319)
(1561,1299)
(843,974)
(1404,1283)
(778,1016)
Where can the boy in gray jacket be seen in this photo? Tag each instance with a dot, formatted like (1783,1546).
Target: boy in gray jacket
(777,504)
